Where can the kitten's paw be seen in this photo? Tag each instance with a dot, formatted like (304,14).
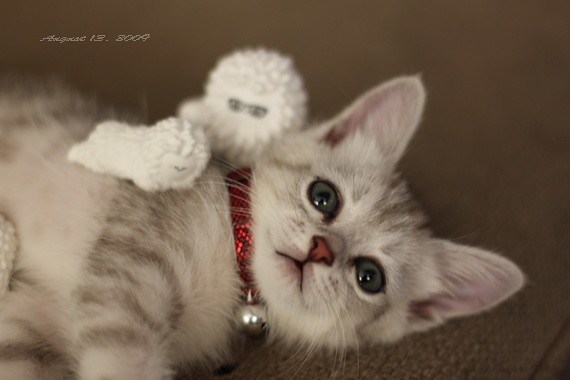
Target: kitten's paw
(8,247)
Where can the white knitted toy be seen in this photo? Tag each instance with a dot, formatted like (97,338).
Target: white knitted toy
(8,246)
(170,154)
(251,97)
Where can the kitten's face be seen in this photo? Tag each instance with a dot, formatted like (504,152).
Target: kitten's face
(340,253)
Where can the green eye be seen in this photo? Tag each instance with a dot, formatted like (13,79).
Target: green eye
(325,198)
(369,275)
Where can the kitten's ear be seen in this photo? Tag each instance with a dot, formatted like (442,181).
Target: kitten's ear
(471,280)
(389,112)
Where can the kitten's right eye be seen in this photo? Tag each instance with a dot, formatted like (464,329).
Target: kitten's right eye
(325,198)
(369,275)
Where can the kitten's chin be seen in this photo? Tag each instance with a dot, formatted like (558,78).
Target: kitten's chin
(279,280)
(294,280)
(277,276)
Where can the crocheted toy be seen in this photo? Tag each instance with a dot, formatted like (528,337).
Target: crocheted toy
(170,154)
(8,246)
(251,97)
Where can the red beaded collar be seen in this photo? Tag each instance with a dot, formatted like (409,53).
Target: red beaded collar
(238,183)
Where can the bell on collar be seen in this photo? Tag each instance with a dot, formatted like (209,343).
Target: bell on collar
(251,316)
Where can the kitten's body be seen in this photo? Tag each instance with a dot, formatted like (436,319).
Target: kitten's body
(71,222)
(115,282)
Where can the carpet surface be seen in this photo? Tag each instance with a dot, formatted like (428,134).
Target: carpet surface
(491,163)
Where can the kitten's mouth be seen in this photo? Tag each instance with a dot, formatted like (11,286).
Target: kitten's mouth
(298,267)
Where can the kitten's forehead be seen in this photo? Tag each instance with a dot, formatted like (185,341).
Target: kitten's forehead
(307,150)
(376,196)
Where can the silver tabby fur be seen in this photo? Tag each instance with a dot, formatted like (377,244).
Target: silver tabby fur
(112,282)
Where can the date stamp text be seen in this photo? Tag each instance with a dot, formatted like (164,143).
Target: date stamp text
(97,38)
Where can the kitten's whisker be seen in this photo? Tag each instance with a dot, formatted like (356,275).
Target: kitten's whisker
(303,350)
(356,340)
(353,329)
(229,183)
(251,194)
(293,357)
(286,368)
(310,351)
(236,185)
(311,346)
(338,321)
(299,352)
(237,182)
(223,162)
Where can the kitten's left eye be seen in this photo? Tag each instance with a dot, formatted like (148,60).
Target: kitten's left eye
(369,275)
(325,198)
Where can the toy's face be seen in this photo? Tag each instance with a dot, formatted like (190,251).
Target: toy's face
(251,116)
(257,111)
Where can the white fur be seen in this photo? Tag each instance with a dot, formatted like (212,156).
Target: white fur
(170,154)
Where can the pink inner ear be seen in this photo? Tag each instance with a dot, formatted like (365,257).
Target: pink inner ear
(388,114)
(473,280)
(334,137)
(466,299)
(356,118)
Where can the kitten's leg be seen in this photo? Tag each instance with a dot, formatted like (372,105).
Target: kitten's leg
(8,247)
(128,305)
(29,345)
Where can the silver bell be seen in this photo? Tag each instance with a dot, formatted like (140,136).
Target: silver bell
(251,316)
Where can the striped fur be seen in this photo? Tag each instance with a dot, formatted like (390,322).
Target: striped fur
(112,282)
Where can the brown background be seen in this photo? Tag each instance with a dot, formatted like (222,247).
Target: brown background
(491,163)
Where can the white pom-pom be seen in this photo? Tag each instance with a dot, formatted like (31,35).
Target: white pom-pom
(195,111)
(170,154)
(8,247)
(252,96)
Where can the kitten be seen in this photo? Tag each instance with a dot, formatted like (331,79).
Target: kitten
(113,282)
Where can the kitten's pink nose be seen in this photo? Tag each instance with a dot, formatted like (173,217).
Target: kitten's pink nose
(320,251)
